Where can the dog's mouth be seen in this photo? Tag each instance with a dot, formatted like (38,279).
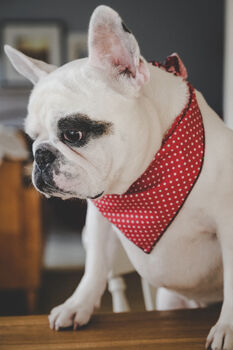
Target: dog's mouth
(43,181)
(96,196)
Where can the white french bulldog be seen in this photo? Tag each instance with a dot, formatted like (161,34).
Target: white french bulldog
(97,124)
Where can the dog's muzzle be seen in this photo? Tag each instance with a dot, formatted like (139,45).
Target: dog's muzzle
(43,175)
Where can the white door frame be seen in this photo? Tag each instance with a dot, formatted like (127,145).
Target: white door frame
(228,65)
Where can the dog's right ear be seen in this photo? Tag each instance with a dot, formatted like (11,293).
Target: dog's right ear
(30,68)
(114,49)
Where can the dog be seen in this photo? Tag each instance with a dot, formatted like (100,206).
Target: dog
(98,124)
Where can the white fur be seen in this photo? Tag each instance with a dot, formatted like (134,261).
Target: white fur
(31,68)
(113,49)
(195,255)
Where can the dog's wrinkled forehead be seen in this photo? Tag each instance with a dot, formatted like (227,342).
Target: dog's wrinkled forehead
(68,91)
(113,71)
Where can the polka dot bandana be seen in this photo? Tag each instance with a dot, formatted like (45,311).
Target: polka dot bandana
(153,201)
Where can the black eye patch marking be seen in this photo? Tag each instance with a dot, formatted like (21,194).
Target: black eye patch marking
(125,28)
(83,124)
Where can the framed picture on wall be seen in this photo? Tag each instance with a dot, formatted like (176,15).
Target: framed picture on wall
(77,45)
(42,40)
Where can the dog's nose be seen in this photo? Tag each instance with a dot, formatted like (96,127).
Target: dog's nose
(43,158)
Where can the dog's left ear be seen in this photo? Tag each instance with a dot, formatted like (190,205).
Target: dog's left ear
(30,68)
(113,47)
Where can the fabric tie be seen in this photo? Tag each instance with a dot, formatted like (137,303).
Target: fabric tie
(153,201)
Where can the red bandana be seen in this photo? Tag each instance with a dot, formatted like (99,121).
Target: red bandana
(152,202)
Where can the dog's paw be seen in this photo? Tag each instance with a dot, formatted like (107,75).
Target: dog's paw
(71,313)
(220,337)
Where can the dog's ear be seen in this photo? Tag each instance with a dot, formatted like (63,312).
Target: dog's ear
(114,48)
(30,68)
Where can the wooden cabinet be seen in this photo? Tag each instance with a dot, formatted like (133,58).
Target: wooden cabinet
(20,232)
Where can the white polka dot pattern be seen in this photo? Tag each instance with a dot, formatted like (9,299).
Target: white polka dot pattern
(145,211)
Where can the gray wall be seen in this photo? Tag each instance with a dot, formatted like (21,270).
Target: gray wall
(193,28)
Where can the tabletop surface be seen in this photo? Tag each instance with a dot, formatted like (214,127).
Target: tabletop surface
(163,330)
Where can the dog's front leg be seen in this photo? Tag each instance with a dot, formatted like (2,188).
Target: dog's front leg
(100,248)
(221,335)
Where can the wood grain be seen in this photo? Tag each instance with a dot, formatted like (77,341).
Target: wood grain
(176,330)
(20,232)
(10,178)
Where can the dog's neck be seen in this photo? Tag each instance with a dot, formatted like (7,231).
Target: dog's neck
(168,94)
(163,98)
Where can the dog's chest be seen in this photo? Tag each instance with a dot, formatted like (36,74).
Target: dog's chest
(183,258)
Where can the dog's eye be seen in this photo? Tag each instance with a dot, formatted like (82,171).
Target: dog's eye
(72,135)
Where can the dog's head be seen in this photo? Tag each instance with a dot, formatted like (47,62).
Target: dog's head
(87,118)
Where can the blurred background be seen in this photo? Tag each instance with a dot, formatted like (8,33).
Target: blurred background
(41,255)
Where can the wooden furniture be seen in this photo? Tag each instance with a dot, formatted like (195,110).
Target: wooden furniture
(174,330)
(20,232)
